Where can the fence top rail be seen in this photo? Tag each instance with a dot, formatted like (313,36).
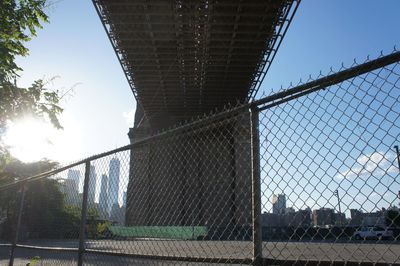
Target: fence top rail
(260,104)
(332,79)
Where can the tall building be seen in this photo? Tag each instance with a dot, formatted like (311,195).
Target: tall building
(278,203)
(92,186)
(113,183)
(75,177)
(71,187)
(323,217)
(103,197)
(124,199)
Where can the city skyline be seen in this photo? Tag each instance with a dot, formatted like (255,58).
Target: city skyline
(101,172)
(283,216)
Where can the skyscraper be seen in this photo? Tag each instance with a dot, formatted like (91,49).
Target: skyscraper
(124,199)
(74,176)
(92,186)
(103,200)
(113,183)
(278,203)
(71,187)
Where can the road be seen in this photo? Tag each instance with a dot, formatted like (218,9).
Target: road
(316,251)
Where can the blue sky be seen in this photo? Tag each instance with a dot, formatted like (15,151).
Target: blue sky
(74,46)
(326,33)
(341,139)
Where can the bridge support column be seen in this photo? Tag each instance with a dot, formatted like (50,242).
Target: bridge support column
(200,176)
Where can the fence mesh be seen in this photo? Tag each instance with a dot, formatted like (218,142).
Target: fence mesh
(326,164)
(330,176)
(8,214)
(8,217)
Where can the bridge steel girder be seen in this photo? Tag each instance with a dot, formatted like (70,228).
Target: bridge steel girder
(186,46)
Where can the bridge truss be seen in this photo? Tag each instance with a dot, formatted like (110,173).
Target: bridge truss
(185,58)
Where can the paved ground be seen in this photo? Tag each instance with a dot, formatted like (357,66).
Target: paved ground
(23,257)
(365,252)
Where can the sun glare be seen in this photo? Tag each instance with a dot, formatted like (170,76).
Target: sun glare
(31,140)
(28,139)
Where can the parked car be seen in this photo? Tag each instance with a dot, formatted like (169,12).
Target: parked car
(372,232)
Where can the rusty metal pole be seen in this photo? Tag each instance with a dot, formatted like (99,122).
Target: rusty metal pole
(18,227)
(256,187)
(84,213)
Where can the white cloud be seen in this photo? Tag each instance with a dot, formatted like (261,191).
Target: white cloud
(129,117)
(377,163)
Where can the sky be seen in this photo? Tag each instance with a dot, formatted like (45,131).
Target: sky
(74,52)
(74,49)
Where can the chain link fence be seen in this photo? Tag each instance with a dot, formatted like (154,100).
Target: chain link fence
(330,171)
(309,175)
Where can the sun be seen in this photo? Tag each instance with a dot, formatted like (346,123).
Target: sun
(30,139)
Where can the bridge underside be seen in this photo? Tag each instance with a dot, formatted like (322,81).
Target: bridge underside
(186,58)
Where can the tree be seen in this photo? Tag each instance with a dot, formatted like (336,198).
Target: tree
(43,198)
(45,213)
(44,202)
(19,21)
(35,101)
(43,208)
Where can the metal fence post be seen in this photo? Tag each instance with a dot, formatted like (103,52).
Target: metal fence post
(83,214)
(256,187)
(397,155)
(18,226)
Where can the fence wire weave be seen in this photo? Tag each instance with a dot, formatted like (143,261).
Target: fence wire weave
(309,175)
(330,176)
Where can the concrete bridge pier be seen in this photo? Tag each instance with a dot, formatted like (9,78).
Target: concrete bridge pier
(196,177)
